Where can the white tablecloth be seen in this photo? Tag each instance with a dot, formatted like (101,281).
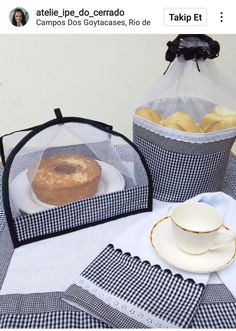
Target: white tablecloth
(53,264)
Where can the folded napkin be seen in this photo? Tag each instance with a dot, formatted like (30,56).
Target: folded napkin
(129,286)
(226,205)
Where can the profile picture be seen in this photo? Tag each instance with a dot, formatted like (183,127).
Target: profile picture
(19,16)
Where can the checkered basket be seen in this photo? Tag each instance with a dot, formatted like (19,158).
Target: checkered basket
(181,168)
(184,164)
(120,191)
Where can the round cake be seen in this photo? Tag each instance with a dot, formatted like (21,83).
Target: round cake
(63,179)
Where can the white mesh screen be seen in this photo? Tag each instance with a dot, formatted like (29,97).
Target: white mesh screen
(184,89)
(11,140)
(184,80)
(70,162)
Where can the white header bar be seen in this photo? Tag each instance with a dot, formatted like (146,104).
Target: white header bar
(119,16)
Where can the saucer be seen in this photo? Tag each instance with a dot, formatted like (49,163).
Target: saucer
(162,240)
(111,180)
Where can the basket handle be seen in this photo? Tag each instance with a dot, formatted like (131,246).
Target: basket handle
(59,116)
(2,152)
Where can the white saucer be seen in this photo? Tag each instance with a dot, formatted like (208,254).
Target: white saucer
(111,180)
(162,239)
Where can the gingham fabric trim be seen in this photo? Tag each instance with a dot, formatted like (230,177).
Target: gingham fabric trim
(196,138)
(2,219)
(182,146)
(79,297)
(55,320)
(215,293)
(215,316)
(217,308)
(82,213)
(230,176)
(117,307)
(6,245)
(1,204)
(227,189)
(32,303)
(178,177)
(6,251)
(43,310)
(167,297)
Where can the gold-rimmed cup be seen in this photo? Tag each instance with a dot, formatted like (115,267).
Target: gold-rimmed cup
(198,228)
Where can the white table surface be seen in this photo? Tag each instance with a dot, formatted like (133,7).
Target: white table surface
(53,264)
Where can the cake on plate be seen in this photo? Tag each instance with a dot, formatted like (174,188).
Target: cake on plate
(66,178)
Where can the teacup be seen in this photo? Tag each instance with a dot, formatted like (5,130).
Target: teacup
(198,228)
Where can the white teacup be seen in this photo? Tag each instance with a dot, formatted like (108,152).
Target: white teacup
(198,228)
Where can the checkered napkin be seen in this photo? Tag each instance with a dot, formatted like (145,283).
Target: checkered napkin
(129,286)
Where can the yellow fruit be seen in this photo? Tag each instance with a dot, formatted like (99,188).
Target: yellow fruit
(170,124)
(149,114)
(212,122)
(222,111)
(209,122)
(180,121)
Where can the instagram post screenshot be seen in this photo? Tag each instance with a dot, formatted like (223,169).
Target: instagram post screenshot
(117,164)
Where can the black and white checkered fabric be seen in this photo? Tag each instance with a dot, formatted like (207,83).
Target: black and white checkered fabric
(178,176)
(216,293)
(145,286)
(215,316)
(155,291)
(1,204)
(6,245)
(6,251)
(230,176)
(97,307)
(82,213)
(217,309)
(56,320)
(43,310)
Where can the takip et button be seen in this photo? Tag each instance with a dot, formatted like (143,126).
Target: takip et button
(185,16)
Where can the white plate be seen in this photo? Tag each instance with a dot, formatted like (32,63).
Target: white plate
(162,239)
(111,180)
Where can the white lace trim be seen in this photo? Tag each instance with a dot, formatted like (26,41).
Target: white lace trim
(194,138)
(123,306)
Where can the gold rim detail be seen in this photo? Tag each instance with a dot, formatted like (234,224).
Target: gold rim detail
(197,271)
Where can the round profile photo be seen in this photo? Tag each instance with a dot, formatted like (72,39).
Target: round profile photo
(19,16)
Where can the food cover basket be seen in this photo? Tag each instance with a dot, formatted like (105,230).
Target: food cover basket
(183,163)
(67,174)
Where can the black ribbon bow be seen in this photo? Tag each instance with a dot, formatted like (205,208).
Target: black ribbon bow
(192,46)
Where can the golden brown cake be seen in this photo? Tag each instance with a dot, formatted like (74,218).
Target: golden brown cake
(66,178)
